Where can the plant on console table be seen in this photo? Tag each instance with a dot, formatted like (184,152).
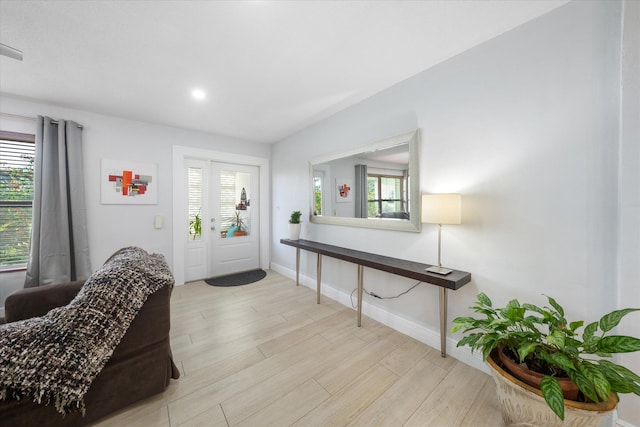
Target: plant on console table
(295,225)
(529,338)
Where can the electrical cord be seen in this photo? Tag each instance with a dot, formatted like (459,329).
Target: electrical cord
(373,294)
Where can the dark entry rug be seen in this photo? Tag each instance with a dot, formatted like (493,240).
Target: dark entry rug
(237,279)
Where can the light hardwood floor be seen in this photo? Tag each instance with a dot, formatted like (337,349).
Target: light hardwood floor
(266,354)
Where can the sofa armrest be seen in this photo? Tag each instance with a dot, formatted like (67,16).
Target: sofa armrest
(150,326)
(34,302)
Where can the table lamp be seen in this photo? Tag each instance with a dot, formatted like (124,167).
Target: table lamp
(440,209)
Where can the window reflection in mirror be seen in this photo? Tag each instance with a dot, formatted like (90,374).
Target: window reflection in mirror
(318,188)
(387,196)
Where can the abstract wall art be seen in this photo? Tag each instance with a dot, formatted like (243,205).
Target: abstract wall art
(128,183)
(343,190)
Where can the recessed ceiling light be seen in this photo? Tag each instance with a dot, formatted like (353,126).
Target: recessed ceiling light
(198,94)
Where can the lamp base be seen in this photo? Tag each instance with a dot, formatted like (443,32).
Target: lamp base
(438,270)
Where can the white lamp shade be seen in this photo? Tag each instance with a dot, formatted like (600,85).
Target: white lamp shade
(441,208)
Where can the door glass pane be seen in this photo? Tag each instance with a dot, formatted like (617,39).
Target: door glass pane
(235,203)
(194,177)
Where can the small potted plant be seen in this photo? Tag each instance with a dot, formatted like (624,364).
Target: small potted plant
(541,342)
(294,225)
(238,225)
(195,226)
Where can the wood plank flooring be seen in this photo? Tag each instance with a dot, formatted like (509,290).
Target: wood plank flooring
(266,354)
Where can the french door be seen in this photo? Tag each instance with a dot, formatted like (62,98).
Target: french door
(234,222)
(223,214)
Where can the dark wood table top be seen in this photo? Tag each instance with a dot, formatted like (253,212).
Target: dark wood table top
(414,270)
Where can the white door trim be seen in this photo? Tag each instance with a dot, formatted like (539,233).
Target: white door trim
(180,153)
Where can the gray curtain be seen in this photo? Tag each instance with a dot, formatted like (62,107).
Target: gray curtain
(59,244)
(361,191)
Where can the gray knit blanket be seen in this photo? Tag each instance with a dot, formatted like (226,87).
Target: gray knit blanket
(53,359)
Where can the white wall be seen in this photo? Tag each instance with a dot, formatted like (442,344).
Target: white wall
(114,226)
(526,128)
(629,190)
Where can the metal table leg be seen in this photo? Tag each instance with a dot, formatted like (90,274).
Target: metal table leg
(297,266)
(319,276)
(360,277)
(443,322)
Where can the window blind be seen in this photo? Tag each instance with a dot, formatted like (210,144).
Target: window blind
(227,197)
(194,177)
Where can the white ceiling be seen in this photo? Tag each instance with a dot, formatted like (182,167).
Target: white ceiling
(269,68)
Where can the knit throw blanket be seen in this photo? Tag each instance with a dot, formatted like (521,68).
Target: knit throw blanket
(53,359)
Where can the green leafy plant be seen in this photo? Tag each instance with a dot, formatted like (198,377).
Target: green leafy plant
(238,222)
(195,226)
(542,337)
(295,217)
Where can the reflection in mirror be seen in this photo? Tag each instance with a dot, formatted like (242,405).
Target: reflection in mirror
(373,186)
(367,185)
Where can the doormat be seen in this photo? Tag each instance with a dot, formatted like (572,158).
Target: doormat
(237,279)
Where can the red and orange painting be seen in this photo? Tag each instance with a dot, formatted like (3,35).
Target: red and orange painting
(126,182)
(131,184)
(343,190)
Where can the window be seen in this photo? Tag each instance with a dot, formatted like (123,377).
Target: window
(194,176)
(17,155)
(386,194)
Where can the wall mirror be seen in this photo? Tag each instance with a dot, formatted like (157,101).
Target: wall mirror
(374,186)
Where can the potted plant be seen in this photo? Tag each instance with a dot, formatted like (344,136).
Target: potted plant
(543,341)
(238,224)
(294,225)
(195,226)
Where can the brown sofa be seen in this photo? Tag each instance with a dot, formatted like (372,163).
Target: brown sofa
(141,365)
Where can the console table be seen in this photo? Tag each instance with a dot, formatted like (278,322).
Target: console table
(413,270)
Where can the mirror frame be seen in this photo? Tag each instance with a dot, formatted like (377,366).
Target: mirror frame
(414,224)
